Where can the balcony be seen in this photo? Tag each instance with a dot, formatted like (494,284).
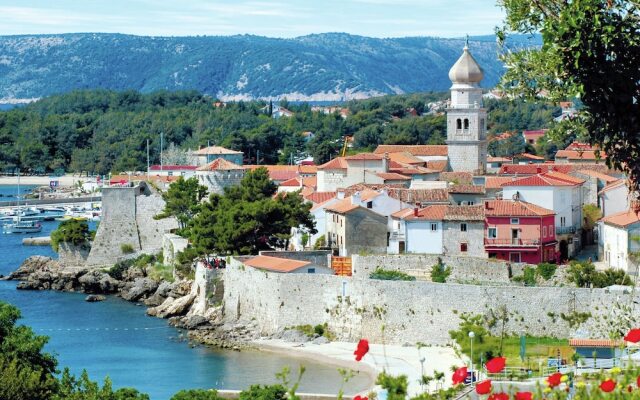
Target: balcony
(512,242)
(565,230)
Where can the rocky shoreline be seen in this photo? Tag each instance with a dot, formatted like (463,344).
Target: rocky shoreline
(175,301)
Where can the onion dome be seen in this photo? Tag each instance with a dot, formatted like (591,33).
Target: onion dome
(466,69)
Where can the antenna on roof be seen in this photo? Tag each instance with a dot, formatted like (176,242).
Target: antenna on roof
(466,42)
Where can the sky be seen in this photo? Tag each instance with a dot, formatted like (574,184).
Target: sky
(278,18)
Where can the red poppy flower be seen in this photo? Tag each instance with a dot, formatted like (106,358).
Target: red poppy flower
(638,381)
(496,365)
(361,349)
(633,336)
(608,386)
(459,376)
(554,379)
(524,396)
(483,387)
(360,398)
(499,396)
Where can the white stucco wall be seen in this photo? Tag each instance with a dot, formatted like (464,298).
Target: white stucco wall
(421,239)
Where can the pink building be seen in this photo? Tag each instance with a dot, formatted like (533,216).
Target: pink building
(519,232)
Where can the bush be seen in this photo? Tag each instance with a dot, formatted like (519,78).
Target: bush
(118,270)
(320,243)
(387,275)
(439,273)
(196,394)
(73,232)
(546,270)
(259,392)
(126,248)
(584,274)
(528,277)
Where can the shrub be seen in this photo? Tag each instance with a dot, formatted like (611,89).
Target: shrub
(439,273)
(260,392)
(319,330)
(320,243)
(126,248)
(584,274)
(118,270)
(387,275)
(196,394)
(546,270)
(73,232)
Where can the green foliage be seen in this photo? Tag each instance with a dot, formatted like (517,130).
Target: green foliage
(591,214)
(590,51)
(197,394)
(584,274)
(143,260)
(396,385)
(161,272)
(481,347)
(529,276)
(84,388)
(247,218)
(320,243)
(389,275)
(73,232)
(546,270)
(126,248)
(183,200)
(260,392)
(575,318)
(440,273)
(317,330)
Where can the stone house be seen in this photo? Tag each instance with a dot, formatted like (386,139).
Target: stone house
(353,229)
(594,182)
(517,231)
(444,229)
(209,154)
(219,174)
(618,238)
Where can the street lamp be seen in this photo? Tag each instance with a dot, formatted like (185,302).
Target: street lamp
(471,336)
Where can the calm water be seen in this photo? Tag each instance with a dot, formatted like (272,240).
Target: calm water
(117,339)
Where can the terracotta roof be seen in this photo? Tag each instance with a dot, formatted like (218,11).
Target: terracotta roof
(614,185)
(321,205)
(438,165)
(622,219)
(498,159)
(416,150)
(580,155)
(173,168)
(212,150)
(308,169)
(405,158)
(495,182)
(336,163)
(532,169)
(393,176)
(466,189)
(343,206)
(413,196)
(405,212)
(580,146)
(514,208)
(220,164)
(458,177)
(296,182)
(369,194)
(603,177)
(546,179)
(595,343)
(275,264)
(529,156)
(364,157)
(536,133)
(441,212)
(320,197)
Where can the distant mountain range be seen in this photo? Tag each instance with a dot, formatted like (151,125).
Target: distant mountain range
(329,67)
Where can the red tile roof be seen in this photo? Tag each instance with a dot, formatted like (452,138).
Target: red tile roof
(532,169)
(343,206)
(320,197)
(275,264)
(495,182)
(416,150)
(528,156)
(622,219)
(300,181)
(393,176)
(546,179)
(466,189)
(413,196)
(406,158)
(595,174)
(220,164)
(577,155)
(405,212)
(595,343)
(498,159)
(364,157)
(173,168)
(613,185)
(336,163)
(514,208)
(457,177)
(534,134)
(438,165)
(441,212)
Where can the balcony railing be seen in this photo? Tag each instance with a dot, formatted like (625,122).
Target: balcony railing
(563,230)
(512,242)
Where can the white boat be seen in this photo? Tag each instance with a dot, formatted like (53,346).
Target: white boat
(19,226)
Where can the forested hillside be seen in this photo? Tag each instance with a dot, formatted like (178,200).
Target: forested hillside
(103,131)
(315,67)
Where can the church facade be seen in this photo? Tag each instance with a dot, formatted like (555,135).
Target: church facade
(466,117)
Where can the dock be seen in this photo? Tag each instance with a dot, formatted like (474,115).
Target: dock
(37,241)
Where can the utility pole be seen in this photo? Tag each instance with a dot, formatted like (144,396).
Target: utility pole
(257,157)
(148,166)
(161,146)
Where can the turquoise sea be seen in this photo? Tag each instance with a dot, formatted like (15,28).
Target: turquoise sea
(115,338)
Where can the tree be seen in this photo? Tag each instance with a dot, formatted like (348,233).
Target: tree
(183,200)
(591,50)
(73,232)
(196,394)
(591,214)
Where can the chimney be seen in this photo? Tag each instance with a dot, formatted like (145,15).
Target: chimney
(355,198)
(385,163)
(415,211)
(487,205)
(539,170)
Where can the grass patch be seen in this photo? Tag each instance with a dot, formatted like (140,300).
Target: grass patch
(387,275)
(161,272)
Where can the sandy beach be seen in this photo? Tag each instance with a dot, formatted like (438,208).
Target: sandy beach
(66,180)
(396,360)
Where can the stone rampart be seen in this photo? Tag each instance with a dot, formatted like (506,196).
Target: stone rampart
(463,269)
(171,245)
(70,256)
(409,311)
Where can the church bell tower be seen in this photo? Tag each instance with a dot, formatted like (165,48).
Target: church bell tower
(466,117)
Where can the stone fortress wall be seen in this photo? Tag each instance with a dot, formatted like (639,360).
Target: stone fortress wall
(410,312)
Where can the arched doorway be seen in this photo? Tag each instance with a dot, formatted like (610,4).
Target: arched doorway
(564,250)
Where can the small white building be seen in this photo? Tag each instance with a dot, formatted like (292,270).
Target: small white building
(619,237)
(614,198)
(185,171)
(343,172)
